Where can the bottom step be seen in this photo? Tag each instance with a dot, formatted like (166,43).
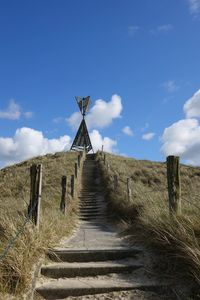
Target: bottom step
(84,286)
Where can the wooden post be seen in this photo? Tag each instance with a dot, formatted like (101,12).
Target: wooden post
(174,184)
(104,159)
(35,194)
(72,186)
(76,170)
(102,149)
(79,161)
(115,182)
(63,196)
(129,193)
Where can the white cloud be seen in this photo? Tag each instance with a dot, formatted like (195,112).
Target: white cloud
(165,28)
(127,130)
(27,143)
(194,6)
(170,86)
(28,114)
(192,106)
(101,114)
(148,136)
(183,138)
(74,120)
(132,30)
(97,141)
(58,120)
(12,112)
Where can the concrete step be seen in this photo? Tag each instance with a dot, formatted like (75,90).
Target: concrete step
(90,203)
(91,206)
(89,269)
(62,288)
(91,211)
(100,219)
(87,198)
(81,255)
(90,215)
(94,209)
(99,205)
(94,203)
(87,205)
(89,192)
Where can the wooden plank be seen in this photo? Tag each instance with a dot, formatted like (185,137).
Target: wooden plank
(63,195)
(35,194)
(79,161)
(115,181)
(129,192)
(39,195)
(76,170)
(174,184)
(72,186)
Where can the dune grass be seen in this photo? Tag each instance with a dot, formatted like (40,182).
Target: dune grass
(147,212)
(17,266)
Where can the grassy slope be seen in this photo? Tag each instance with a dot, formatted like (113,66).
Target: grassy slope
(148,208)
(15,269)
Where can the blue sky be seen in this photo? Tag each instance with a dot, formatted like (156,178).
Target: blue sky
(140,58)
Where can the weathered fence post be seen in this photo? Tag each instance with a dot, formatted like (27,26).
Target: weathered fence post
(79,161)
(115,182)
(174,184)
(72,186)
(104,159)
(129,192)
(35,194)
(76,170)
(63,196)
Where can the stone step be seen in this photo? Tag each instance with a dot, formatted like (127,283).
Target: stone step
(62,288)
(88,206)
(89,192)
(91,210)
(90,202)
(90,215)
(81,255)
(100,219)
(88,198)
(89,269)
(88,195)
(83,205)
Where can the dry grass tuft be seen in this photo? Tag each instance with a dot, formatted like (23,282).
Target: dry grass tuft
(147,211)
(16,267)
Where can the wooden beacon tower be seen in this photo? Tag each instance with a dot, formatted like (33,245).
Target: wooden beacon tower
(82,138)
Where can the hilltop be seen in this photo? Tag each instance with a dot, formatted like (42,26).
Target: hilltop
(145,215)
